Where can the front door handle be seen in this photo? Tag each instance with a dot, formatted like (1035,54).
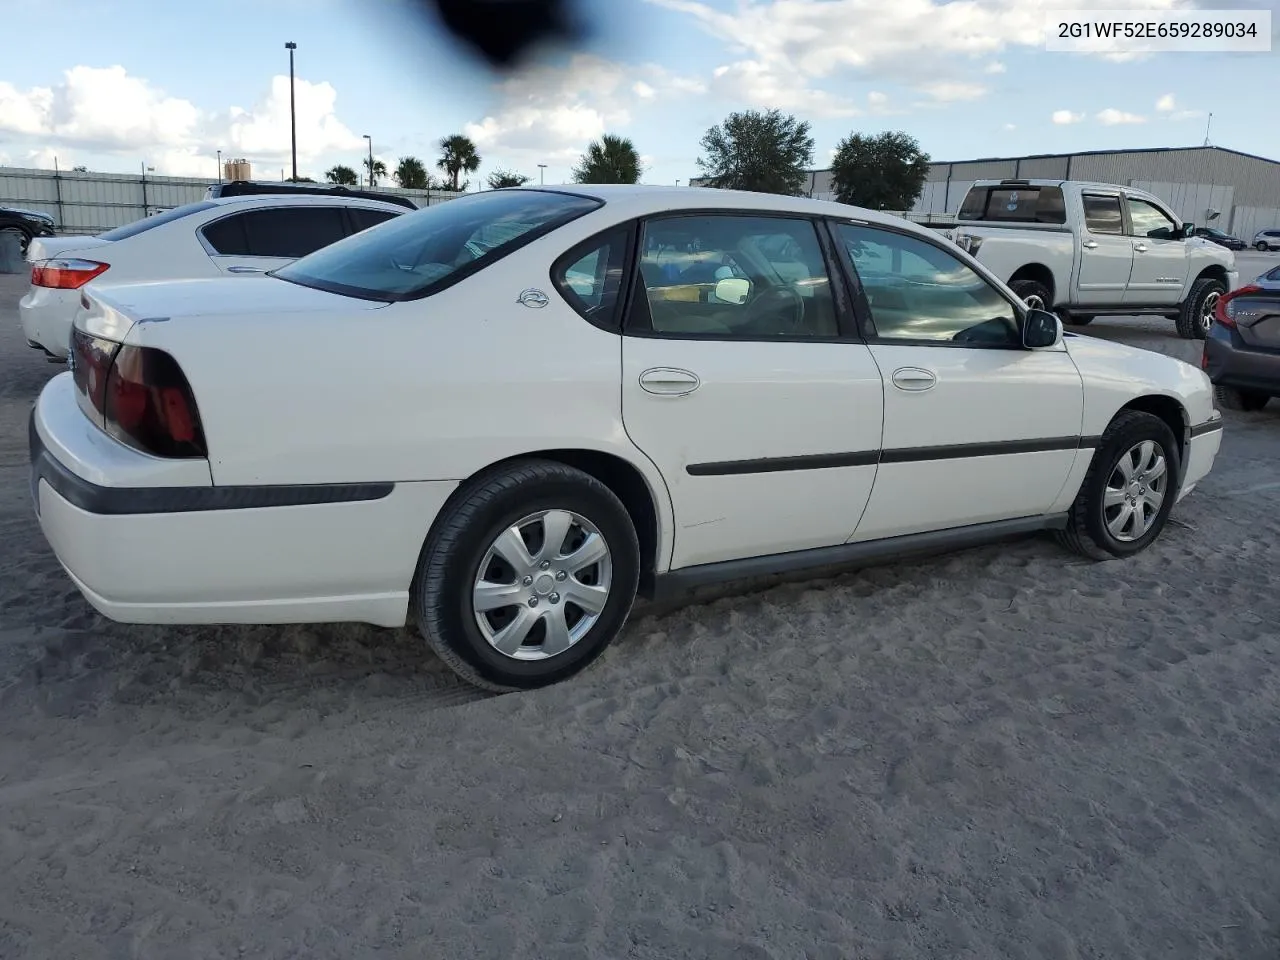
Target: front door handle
(669,381)
(1140,247)
(243,270)
(1089,244)
(914,379)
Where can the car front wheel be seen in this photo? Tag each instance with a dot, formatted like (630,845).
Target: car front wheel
(1129,490)
(1196,316)
(528,577)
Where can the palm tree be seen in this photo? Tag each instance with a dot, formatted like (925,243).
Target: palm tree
(341,174)
(506,178)
(412,174)
(379,169)
(611,159)
(457,155)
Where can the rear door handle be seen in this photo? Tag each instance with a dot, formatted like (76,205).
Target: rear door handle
(669,381)
(914,379)
(1089,244)
(243,270)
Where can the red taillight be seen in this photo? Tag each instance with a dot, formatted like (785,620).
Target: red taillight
(1224,312)
(65,274)
(138,395)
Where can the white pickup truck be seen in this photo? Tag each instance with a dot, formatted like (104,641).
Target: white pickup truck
(1094,249)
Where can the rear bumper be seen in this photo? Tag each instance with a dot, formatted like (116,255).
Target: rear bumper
(1231,363)
(46,316)
(147,543)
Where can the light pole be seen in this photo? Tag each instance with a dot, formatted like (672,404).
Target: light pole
(219,166)
(293,115)
(542,174)
(370,139)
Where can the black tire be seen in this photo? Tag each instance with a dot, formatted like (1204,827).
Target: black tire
(450,561)
(1078,320)
(1026,290)
(1190,322)
(1086,532)
(1260,247)
(1244,400)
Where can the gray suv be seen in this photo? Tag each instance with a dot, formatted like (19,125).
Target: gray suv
(1267,240)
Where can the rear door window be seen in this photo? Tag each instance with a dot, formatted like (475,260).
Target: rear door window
(1102,214)
(362,218)
(292,232)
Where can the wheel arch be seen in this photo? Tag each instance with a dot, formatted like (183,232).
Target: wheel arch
(649,508)
(1213,271)
(1040,274)
(1170,410)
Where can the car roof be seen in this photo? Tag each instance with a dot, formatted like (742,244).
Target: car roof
(302,200)
(646,200)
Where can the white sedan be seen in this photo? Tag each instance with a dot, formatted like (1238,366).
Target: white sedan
(504,416)
(237,236)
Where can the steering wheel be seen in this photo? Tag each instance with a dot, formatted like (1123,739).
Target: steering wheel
(771,304)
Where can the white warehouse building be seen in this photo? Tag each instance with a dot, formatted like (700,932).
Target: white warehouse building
(1210,186)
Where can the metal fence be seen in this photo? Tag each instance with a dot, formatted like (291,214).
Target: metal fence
(88,202)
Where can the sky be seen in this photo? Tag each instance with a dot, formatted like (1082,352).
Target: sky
(115,85)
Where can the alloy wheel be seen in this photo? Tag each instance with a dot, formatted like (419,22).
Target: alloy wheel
(1207,312)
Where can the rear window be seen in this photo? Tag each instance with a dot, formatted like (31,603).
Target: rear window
(1010,203)
(422,252)
(155,220)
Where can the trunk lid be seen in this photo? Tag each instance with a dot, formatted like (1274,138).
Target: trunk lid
(47,248)
(1257,316)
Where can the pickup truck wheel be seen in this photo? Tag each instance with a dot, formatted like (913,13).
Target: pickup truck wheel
(1196,316)
(1128,492)
(1244,400)
(1077,319)
(1035,295)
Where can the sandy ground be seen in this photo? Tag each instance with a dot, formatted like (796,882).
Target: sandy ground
(1000,753)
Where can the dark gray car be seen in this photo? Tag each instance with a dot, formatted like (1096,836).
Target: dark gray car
(1242,350)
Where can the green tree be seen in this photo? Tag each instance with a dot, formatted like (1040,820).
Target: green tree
(506,178)
(883,172)
(765,152)
(458,155)
(411,173)
(611,159)
(341,174)
(301,180)
(374,171)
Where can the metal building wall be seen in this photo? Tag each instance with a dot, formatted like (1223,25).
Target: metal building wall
(88,203)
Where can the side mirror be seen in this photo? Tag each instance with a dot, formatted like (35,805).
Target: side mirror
(1188,230)
(733,290)
(1041,329)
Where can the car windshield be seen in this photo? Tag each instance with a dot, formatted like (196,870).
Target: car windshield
(419,253)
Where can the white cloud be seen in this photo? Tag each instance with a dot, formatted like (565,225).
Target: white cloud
(1166,103)
(1009,127)
(1112,117)
(107,111)
(994,67)
(753,82)
(792,46)
(1063,117)
(549,115)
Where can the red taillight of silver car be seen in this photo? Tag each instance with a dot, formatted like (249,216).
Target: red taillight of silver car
(139,395)
(65,273)
(1225,310)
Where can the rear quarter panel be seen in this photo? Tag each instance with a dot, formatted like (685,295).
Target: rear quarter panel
(1006,250)
(433,389)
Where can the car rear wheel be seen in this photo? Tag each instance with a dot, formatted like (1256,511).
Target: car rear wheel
(1260,246)
(1033,293)
(1196,316)
(1245,400)
(528,577)
(1129,490)
(1077,319)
